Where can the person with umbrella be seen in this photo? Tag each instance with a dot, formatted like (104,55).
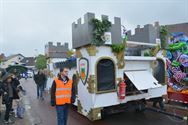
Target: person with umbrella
(0,90)
(7,91)
(2,72)
(17,69)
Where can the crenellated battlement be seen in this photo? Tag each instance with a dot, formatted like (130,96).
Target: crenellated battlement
(148,34)
(82,32)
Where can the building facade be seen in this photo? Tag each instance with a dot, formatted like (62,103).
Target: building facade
(12,60)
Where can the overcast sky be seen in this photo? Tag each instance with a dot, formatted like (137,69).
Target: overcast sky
(26,25)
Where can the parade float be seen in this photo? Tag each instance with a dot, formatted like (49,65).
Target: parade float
(106,80)
(177,67)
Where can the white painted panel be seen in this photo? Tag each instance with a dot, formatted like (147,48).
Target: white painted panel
(137,65)
(142,79)
(110,99)
(158,92)
(85,98)
(140,58)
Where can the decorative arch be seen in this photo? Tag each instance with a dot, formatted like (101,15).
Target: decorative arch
(105,75)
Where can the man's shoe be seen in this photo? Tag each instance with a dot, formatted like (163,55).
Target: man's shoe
(8,122)
(5,122)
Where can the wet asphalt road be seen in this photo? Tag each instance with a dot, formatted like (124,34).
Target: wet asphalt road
(47,113)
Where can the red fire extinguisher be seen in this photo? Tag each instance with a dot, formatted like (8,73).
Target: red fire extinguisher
(122,90)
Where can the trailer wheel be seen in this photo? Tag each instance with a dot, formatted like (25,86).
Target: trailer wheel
(75,108)
(103,114)
(140,107)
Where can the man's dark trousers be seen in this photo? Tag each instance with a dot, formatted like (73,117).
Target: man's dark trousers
(62,114)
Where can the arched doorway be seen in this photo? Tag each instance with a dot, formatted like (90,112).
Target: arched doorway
(159,71)
(105,75)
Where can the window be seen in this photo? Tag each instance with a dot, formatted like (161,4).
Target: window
(105,75)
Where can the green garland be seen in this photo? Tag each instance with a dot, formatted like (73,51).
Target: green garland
(177,46)
(163,36)
(99,28)
(118,47)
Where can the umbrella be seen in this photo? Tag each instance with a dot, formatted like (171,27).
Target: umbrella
(16,69)
(2,73)
(6,76)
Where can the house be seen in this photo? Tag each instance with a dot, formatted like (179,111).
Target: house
(29,62)
(54,54)
(2,57)
(12,60)
(180,27)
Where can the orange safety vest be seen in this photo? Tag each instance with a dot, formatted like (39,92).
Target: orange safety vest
(63,92)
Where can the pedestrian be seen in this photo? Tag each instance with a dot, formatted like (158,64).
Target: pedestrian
(62,94)
(45,81)
(20,110)
(7,88)
(0,94)
(16,85)
(39,79)
(2,73)
(25,75)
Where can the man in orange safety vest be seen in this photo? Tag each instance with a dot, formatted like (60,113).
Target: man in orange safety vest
(62,94)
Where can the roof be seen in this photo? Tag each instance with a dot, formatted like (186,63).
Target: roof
(184,23)
(2,56)
(28,61)
(12,56)
(134,44)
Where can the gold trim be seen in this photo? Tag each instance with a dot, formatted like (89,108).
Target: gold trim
(91,50)
(79,109)
(91,84)
(78,53)
(106,91)
(120,59)
(93,114)
(164,52)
